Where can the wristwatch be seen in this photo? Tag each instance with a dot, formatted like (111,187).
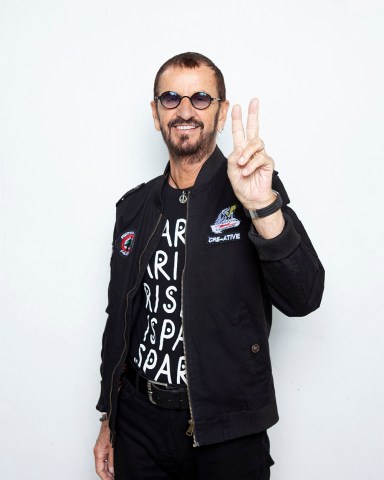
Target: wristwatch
(268,210)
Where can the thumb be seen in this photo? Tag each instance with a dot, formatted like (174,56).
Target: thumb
(111,467)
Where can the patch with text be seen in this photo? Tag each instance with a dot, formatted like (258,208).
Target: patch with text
(224,221)
(125,243)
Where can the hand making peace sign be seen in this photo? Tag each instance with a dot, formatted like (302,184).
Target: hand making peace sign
(250,169)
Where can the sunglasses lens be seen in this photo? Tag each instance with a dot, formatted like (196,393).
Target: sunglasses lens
(170,99)
(201,100)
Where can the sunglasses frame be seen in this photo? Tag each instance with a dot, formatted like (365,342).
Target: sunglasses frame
(186,96)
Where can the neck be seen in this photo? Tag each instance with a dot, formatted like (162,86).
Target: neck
(184,172)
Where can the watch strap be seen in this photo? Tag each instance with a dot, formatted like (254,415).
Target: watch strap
(268,210)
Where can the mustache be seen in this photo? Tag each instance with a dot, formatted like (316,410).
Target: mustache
(180,121)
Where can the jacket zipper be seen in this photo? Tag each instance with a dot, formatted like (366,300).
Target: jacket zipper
(125,322)
(191,429)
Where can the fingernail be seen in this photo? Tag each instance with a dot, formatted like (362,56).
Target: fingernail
(244,172)
(241,160)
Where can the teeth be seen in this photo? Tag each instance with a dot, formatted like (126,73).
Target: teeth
(185,127)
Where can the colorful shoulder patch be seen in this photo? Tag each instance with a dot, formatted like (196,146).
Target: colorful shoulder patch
(125,243)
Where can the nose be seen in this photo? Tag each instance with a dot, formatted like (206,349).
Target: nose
(185,109)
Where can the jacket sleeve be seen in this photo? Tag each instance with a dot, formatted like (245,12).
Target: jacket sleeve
(293,273)
(101,404)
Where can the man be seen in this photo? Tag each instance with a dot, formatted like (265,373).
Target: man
(200,255)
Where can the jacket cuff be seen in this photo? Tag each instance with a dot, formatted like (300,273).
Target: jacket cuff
(275,249)
(100,406)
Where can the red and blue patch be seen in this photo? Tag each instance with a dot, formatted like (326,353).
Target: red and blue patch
(125,243)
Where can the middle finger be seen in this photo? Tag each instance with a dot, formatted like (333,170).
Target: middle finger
(253,119)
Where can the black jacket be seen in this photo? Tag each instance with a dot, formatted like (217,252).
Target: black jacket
(231,279)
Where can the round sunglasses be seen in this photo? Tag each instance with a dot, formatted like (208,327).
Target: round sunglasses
(199,100)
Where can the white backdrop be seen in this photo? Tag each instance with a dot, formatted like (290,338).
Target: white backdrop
(76,132)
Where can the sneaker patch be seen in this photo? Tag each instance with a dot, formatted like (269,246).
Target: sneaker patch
(224,221)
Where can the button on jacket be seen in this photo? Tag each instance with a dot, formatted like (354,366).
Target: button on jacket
(231,279)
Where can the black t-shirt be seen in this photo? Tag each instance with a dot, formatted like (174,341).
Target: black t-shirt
(157,344)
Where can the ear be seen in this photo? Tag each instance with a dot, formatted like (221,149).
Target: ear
(224,106)
(155,115)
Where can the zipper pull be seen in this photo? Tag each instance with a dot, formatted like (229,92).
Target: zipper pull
(191,427)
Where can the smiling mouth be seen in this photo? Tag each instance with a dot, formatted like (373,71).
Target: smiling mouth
(186,127)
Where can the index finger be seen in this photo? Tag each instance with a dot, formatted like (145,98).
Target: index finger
(237,125)
(253,119)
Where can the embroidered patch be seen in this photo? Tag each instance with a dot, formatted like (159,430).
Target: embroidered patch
(225,220)
(126,241)
(229,237)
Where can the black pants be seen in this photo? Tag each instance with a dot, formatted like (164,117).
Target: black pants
(151,444)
